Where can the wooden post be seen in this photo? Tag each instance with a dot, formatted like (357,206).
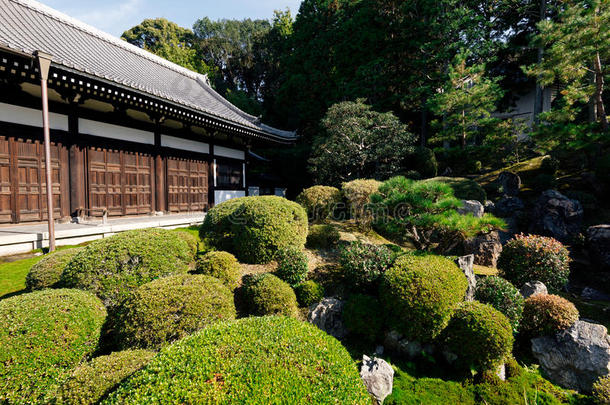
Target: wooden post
(77,165)
(160,182)
(212,178)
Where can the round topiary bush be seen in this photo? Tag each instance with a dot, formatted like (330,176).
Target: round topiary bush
(503,296)
(170,308)
(91,382)
(309,292)
(535,258)
(191,241)
(43,335)
(292,265)
(222,265)
(319,201)
(254,228)
(275,360)
(112,267)
(364,264)
(265,294)
(480,335)
(545,314)
(419,294)
(362,316)
(601,390)
(47,272)
(322,237)
(358,193)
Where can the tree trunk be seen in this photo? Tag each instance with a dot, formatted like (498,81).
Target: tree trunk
(599,90)
(423,137)
(463,129)
(539,97)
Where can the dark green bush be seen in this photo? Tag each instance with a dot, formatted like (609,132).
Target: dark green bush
(322,237)
(43,335)
(364,264)
(112,267)
(546,314)
(535,258)
(222,265)
(265,294)
(481,336)
(549,165)
(544,181)
(292,265)
(309,292)
(503,296)
(424,161)
(269,360)
(47,272)
(362,315)
(254,228)
(191,241)
(91,382)
(602,169)
(413,175)
(170,308)
(419,294)
(601,390)
(319,201)
(463,188)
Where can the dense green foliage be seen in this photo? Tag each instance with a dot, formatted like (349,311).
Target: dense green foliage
(364,264)
(221,265)
(309,292)
(46,273)
(545,314)
(319,201)
(265,294)
(292,265)
(357,193)
(362,315)
(535,258)
(254,360)
(419,294)
(254,228)
(503,296)
(170,308)
(463,188)
(322,237)
(191,241)
(90,382)
(43,335)
(601,390)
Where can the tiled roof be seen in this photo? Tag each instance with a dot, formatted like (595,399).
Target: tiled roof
(28,26)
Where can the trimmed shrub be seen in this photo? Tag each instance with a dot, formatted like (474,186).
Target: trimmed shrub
(480,335)
(364,264)
(362,316)
(419,294)
(170,308)
(47,272)
(91,382)
(358,193)
(191,241)
(601,390)
(252,360)
(111,268)
(309,292)
(319,201)
(535,258)
(463,188)
(43,335)
(265,294)
(254,228)
(322,237)
(503,296)
(546,314)
(292,265)
(222,265)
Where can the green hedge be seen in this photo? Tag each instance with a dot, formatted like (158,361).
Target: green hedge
(191,241)
(362,315)
(112,267)
(546,314)
(364,264)
(292,265)
(222,265)
(269,360)
(503,296)
(170,308)
(265,294)
(47,272)
(319,201)
(43,335)
(309,292)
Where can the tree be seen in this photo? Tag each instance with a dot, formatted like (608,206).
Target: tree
(359,143)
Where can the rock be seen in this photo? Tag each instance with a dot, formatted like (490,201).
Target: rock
(486,248)
(501,372)
(466,264)
(533,288)
(489,206)
(509,206)
(396,343)
(326,315)
(576,357)
(378,377)
(557,216)
(592,294)
(471,207)
(598,238)
(510,182)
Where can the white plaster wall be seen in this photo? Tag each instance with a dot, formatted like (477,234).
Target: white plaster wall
(229,153)
(224,195)
(111,131)
(184,144)
(32,117)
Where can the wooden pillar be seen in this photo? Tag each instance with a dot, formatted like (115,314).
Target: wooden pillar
(160,193)
(78,168)
(211,178)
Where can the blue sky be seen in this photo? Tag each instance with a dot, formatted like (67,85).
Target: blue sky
(116,16)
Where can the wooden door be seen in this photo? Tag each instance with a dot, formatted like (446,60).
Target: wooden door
(6,192)
(187,184)
(138,169)
(105,181)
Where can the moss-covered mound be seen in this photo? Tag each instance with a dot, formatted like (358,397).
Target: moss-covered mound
(254,228)
(265,294)
(269,360)
(222,265)
(47,272)
(91,382)
(170,308)
(309,292)
(111,268)
(43,335)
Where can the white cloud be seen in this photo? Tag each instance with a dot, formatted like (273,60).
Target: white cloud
(112,17)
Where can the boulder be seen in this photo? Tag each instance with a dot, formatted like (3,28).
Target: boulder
(466,264)
(598,238)
(326,315)
(533,288)
(489,206)
(592,294)
(510,183)
(396,343)
(378,377)
(557,216)
(471,207)
(508,207)
(576,357)
(486,248)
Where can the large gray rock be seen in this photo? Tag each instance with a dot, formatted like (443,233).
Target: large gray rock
(466,264)
(576,357)
(510,183)
(598,237)
(396,343)
(486,248)
(589,293)
(557,216)
(473,207)
(378,377)
(508,207)
(326,315)
(533,288)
